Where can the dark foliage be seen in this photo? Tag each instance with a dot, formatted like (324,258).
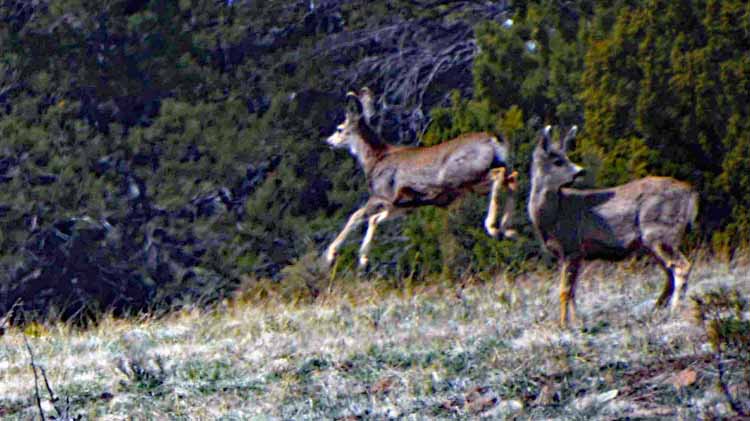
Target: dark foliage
(155,152)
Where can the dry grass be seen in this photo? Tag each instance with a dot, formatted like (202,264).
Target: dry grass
(489,350)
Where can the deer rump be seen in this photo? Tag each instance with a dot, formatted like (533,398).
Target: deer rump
(612,223)
(437,175)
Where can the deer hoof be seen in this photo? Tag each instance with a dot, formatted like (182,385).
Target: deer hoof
(330,256)
(510,233)
(674,307)
(363,261)
(492,231)
(512,181)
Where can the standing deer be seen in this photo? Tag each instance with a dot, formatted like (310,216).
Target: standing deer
(401,178)
(650,214)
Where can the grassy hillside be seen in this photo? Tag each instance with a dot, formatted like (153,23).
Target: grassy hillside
(489,350)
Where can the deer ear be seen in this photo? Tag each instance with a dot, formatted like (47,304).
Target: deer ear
(567,141)
(353,105)
(368,102)
(544,140)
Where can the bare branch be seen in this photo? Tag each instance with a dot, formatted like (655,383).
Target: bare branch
(736,406)
(52,396)
(412,63)
(36,378)
(5,320)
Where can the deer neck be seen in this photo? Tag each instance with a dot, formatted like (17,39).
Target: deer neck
(543,207)
(369,149)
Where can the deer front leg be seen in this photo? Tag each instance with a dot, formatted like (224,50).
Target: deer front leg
(354,220)
(371,227)
(568,278)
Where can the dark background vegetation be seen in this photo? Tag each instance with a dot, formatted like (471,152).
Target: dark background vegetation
(157,152)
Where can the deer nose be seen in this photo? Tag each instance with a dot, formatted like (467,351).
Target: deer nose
(581,172)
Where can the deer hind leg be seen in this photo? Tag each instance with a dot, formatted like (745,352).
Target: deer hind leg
(499,180)
(490,223)
(677,268)
(568,278)
(681,273)
(354,220)
(511,182)
(364,250)
(666,293)
(664,255)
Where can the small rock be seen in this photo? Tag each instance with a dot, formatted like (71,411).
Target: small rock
(382,386)
(607,396)
(684,378)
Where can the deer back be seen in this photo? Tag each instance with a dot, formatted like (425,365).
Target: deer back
(438,174)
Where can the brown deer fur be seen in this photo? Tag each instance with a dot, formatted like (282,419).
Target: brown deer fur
(401,178)
(650,214)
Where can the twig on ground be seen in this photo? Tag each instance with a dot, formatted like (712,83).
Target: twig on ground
(736,406)
(52,396)
(36,379)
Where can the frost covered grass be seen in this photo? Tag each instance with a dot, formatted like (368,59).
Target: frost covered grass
(488,349)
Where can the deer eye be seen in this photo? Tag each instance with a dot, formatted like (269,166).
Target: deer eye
(559,162)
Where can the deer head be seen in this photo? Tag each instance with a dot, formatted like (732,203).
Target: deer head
(355,132)
(551,167)
(347,133)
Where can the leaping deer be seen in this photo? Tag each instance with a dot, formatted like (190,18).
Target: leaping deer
(650,214)
(402,178)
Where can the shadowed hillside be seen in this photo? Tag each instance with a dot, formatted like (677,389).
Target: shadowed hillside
(157,153)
